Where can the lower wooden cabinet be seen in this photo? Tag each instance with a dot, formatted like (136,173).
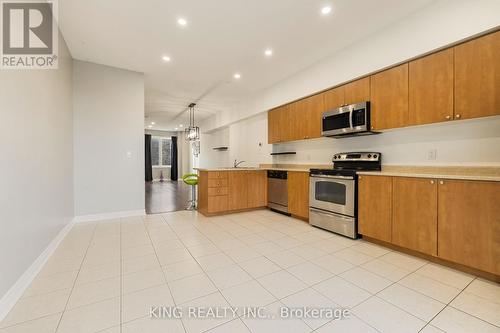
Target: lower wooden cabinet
(257,189)
(375,207)
(238,190)
(226,191)
(298,194)
(414,214)
(469,223)
(455,220)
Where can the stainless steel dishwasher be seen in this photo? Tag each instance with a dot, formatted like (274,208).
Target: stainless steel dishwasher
(277,190)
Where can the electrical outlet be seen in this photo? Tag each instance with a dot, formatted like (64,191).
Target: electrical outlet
(432,154)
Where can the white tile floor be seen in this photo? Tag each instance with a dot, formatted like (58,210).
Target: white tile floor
(105,276)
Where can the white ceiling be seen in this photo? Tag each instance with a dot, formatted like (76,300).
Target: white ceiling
(222,37)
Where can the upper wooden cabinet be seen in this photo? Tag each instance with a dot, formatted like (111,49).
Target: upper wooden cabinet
(477,77)
(431,88)
(389,98)
(298,193)
(414,214)
(375,207)
(334,98)
(357,91)
(305,118)
(278,122)
(469,223)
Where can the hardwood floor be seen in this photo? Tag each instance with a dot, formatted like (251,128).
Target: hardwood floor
(168,196)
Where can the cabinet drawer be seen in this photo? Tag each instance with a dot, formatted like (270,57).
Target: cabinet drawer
(217,175)
(219,182)
(215,191)
(218,204)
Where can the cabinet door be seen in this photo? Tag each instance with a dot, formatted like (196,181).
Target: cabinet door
(333,98)
(257,189)
(218,204)
(477,77)
(273,126)
(389,98)
(414,214)
(431,88)
(279,124)
(357,91)
(238,190)
(298,193)
(375,207)
(469,223)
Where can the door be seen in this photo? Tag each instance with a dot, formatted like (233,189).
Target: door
(357,91)
(431,88)
(469,223)
(477,77)
(375,207)
(257,189)
(333,193)
(238,190)
(414,214)
(298,193)
(389,98)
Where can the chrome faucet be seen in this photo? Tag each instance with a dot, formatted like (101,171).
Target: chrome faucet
(236,163)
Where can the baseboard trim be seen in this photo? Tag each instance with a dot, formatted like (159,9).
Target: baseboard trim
(108,216)
(10,299)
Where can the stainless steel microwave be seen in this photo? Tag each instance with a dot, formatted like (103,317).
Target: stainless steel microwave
(348,120)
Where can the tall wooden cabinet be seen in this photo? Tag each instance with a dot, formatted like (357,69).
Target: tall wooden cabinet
(431,88)
(389,98)
(414,214)
(375,207)
(477,77)
(298,193)
(469,223)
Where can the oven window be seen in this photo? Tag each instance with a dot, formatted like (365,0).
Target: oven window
(337,121)
(330,192)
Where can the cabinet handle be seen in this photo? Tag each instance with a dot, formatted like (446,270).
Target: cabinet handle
(448,117)
(360,177)
(373,127)
(457,116)
(441,182)
(432,182)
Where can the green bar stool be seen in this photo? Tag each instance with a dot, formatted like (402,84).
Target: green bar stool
(192,180)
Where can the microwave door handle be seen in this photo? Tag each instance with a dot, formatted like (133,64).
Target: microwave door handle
(350,118)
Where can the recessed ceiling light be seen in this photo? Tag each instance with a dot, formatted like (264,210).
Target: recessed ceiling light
(152,123)
(237,76)
(181,125)
(176,128)
(268,52)
(182,21)
(150,126)
(166,58)
(326,10)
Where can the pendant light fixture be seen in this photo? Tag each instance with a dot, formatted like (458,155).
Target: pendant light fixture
(192,133)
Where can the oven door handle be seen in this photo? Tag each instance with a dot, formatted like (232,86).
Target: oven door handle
(339,216)
(332,177)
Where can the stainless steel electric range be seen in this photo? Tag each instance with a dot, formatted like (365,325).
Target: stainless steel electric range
(333,203)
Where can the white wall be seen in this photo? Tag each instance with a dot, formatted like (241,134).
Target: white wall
(441,24)
(36,178)
(108,139)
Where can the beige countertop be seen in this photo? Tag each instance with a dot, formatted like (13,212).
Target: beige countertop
(485,173)
(439,172)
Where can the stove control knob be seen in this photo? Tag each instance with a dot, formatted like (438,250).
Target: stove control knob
(375,156)
(369,155)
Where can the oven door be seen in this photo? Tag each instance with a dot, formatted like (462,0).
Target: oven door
(332,193)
